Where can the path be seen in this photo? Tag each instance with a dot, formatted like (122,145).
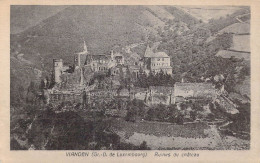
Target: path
(239,16)
(30,126)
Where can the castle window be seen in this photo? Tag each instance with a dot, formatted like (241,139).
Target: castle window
(158,59)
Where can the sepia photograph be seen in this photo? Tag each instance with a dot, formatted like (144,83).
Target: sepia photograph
(130,77)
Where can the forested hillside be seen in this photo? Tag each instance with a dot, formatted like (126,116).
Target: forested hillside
(180,34)
(194,57)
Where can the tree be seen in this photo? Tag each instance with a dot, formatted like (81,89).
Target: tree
(142,78)
(31,93)
(193,115)
(130,115)
(143,146)
(109,72)
(180,119)
(150,114)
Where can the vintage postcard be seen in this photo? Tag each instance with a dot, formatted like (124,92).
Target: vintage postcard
(130,81)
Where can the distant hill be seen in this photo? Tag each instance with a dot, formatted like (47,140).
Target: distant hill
(205,13)
(237,28)
(102,27)
(26,16)
(21,74)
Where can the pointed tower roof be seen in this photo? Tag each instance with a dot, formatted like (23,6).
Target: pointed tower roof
(85,49)
(148,51)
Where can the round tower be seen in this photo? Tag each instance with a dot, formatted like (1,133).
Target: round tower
(57,66)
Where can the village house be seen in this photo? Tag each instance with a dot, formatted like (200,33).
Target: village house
(184,91)
(156,62)
(160,95)
(103,93)
(116,70)
(139,93)
(56,97)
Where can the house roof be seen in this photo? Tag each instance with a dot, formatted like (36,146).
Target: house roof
(137,90)
(118,54)
(161,67)
(134,67)
(162,89)
(98,57)
(160,54)
(197,89)
(193,86)
(118,57)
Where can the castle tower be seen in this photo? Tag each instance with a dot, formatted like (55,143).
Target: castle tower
(57,67)
(85,47)
(170,102)
(80,58)
(148,51)
(147,59)
(81,77)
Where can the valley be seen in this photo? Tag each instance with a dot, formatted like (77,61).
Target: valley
(131,78)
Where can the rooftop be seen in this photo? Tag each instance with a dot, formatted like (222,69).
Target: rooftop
(162,89)
(197,89)
(193,86)
(98,57)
